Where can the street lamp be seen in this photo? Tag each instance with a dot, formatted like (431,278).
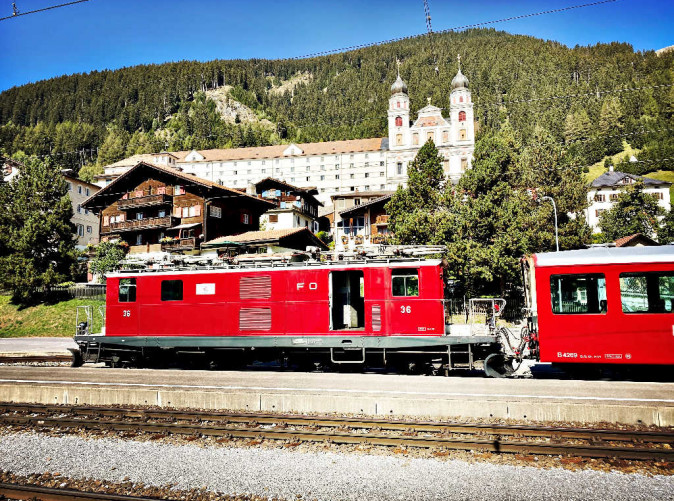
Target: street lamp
(554,206)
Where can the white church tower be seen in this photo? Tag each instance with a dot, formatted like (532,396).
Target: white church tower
(399,115)
(461,118)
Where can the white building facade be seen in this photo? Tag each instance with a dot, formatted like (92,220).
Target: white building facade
(377,164)
(605,189)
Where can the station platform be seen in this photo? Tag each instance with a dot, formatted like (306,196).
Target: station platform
(36,346)
(449,398)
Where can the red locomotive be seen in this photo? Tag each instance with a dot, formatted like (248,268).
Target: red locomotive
(594,306)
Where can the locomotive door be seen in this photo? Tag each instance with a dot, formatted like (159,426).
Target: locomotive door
(347,300)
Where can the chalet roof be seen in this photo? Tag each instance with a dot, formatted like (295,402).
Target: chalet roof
(615,178)
(268,236)
(110,193)
(82,181)
(358,208)
(636,239)
(360,194)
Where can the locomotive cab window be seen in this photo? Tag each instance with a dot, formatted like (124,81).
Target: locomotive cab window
(127,290)
(172,290)
(578,294)
(405,283)
(647,292)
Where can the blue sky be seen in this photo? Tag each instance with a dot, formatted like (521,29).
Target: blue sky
(101,34)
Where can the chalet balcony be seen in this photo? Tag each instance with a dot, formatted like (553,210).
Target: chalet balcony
(181,244)
(144,224)
(382,220)
(144,201)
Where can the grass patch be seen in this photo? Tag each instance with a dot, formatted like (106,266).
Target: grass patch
(598,169)
(43,320)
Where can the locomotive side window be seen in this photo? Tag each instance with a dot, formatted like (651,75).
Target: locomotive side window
(405,282)
(172,290)
(577,294)
(647,292)
(127,290)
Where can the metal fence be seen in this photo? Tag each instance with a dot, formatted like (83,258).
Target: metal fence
(65,292)
(458,309)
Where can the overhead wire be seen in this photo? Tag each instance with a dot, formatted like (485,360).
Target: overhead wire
(447,30)
(16,13)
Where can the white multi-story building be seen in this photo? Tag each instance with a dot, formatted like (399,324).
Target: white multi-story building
(605,189)
(376,164)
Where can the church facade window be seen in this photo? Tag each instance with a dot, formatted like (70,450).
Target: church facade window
(445,136)
(415,138)
(462,134)
(430,136)
(399,139)
(399,121)
(462,116)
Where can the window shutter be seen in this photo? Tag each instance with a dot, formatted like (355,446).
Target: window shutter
(106,220)
(176,212)
(122,217)
(186,212)
(161,190)
(243,218)
(197,210)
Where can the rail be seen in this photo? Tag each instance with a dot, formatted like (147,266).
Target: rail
(34,492)
(598,443)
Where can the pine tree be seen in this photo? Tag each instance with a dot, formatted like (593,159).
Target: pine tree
(40,245)
(412,210)
(634,212)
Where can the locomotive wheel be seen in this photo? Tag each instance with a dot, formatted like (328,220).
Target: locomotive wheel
(498,365)
(77,360)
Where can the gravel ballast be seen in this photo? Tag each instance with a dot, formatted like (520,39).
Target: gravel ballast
(313,475)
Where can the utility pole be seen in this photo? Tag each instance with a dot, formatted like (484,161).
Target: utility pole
(554,206)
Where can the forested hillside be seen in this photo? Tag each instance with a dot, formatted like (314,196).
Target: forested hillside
(588,98)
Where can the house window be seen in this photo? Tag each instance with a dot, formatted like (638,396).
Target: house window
(192,211)
(405,283)
(399,168)
(613,197)
(336,176)
(70,186)
(322,178)
(464,164)
(273,218)
(600,197)
(430,136)
(462,116)
(87,191)
(399,121)
(356,201)
(139,239)
(445,136)
(599,212)
(80,230)
(186,212)
(139,215)
(127,290)
(381,164)
(79,209)
(215,211)
(172,290)
(367,174)
(352,176)
(659,195)
(462,134)
(574,294)
(647,292)
(161,213)
(79,190)
(366,187)
(415,138)
(89,229)
(245,218)
(179,190)
(381,173)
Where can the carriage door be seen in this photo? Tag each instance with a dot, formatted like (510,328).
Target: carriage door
(122,318)
(347,300)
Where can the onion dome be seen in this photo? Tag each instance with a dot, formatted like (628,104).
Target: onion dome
(459,81)
(399,86)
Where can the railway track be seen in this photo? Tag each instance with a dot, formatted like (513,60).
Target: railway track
(580,442)
(9,359)
(38,493)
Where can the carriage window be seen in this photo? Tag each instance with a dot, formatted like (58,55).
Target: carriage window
(172,290)
(127,290)
(647,292)
(578,293)
(405,283)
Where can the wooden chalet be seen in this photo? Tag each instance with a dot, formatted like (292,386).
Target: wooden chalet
(158,208)
(363,224)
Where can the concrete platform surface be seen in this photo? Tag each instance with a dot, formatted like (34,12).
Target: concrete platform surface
(370,394)
(36,345)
